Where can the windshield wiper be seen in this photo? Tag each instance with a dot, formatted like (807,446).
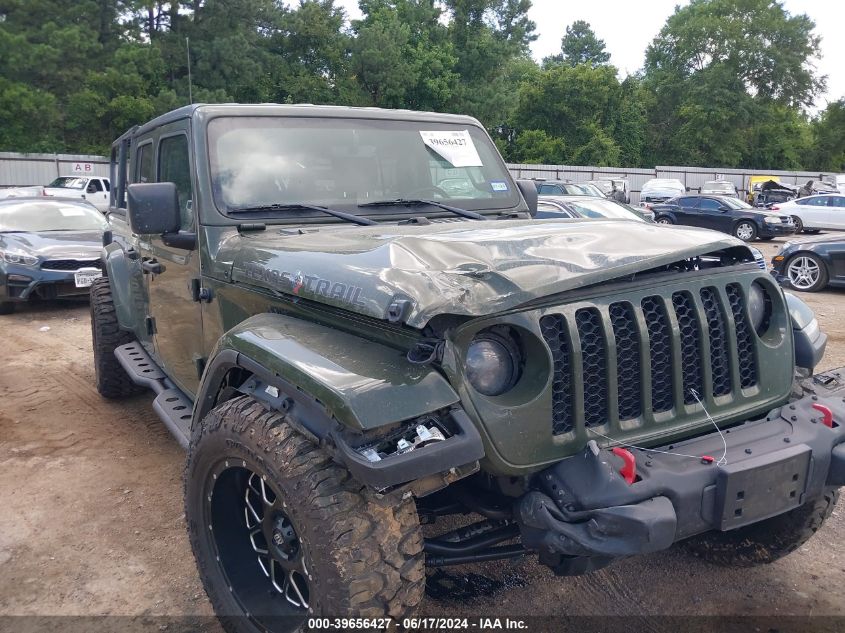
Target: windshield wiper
(415,201)
(349,217)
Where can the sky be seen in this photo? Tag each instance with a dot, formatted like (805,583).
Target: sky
(628,26)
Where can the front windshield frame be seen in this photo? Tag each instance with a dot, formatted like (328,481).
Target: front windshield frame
(493,168)
(66,217)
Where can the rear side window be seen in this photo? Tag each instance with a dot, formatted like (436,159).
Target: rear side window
(837,201)
(549,190)
(145,163)
(688,202)
(174,166)
(106,185)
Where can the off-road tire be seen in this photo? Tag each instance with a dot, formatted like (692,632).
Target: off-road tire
(767,541)
(111,379)
(365,554)
(6,307)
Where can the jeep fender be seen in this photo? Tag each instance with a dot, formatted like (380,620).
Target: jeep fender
(337,382)
(116,268)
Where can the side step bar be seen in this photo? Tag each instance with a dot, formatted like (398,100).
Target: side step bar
(171,405)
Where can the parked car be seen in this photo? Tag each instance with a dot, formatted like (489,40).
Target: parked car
(820,186)
(726,214)
(559,188)
(592,207)
(94,190)
(21,192)
(49,249)
(549,209)
(659,190)
(772,192)
(753,186)
(812,263)
(813,213)
(719,188)
(605,185)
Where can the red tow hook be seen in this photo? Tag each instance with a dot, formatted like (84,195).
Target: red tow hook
(827,414)
(629,469)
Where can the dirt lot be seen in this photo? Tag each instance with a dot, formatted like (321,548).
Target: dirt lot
(92,521)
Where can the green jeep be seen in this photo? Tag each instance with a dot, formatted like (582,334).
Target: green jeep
(349,346)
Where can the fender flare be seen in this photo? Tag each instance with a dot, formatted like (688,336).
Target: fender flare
(340,389)
(116,268)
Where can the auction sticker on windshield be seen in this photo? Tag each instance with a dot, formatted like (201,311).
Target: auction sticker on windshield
(456,146)
(84,277)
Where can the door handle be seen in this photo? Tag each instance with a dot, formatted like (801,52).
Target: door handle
(152,266)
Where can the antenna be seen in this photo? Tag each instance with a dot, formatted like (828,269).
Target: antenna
(188,50)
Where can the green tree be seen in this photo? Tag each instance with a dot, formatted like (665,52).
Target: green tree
(537,147)
(828,138)
(580,45)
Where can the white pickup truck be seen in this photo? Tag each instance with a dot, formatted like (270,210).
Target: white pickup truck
(93,189)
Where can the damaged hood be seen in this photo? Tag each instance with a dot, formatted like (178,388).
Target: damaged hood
(411,273)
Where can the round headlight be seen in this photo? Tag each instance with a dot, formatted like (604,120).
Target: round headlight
(757,306)
(491,365)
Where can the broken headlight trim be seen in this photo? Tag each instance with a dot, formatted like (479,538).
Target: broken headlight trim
(492,364)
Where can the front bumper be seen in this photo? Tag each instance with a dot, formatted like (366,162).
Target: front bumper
(22,283)
(583,507)
(775,230)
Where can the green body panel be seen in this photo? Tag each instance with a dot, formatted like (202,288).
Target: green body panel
(362,384)
(334,307)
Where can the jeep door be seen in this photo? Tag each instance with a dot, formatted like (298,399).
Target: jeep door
(174,314)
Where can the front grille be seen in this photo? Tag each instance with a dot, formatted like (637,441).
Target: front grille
(598,354)
(70,264)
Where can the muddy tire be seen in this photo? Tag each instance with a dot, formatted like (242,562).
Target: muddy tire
(111,379)
(332,547)
(767,541)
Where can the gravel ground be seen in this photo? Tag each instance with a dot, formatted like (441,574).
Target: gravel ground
(92,521)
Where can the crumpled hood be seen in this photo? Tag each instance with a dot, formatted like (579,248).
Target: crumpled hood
(412,273)
(57,244)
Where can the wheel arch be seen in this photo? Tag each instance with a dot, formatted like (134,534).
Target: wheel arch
(338,396)
(116,268)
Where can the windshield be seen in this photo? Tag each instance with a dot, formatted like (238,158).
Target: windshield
(734,203)
(605,186)
(344,162)
(34,217)
(590,189)
(596,208)
(69,182)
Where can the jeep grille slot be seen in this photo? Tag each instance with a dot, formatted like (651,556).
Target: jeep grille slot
(693,341)
(594,363)
(660,353)
(554,331)
(689,327)
(744,338)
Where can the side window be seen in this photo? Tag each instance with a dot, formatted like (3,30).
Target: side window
(106,184)
(94,186)
(837,201)
(144,172)
(688,202)
(709,204)
(549,190)
(174,166)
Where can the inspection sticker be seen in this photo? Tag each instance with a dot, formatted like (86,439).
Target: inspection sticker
(455,146)
(498,185)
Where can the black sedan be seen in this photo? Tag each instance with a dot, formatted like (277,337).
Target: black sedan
(811,264)
(725,214)
(49,249)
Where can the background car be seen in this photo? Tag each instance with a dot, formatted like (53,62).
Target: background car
(49,249)
(772,192)
(560,188)
(813,213)
(810,264)
(719,188)
(551,209)
(725,214)
(659,190)
(94,190)
(591,207)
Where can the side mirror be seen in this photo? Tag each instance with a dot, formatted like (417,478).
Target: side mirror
(529,192)
(153,208)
